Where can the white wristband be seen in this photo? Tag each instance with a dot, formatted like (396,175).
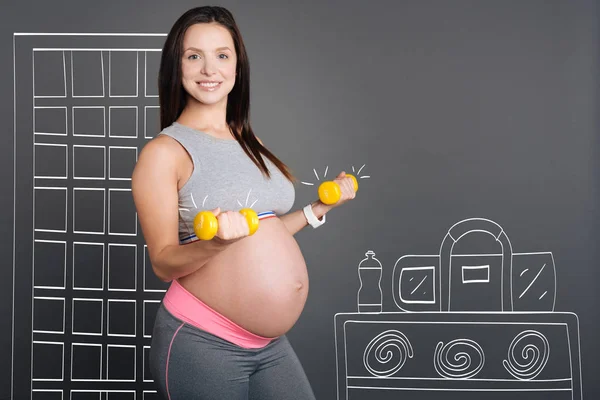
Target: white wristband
(312,218)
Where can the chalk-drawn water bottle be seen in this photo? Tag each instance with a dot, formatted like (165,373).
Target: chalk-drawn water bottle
(369,293)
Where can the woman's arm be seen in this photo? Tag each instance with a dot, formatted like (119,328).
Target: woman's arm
(296,220)
(154,188)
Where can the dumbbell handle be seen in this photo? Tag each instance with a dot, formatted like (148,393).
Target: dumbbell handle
(206,224)
(330,192)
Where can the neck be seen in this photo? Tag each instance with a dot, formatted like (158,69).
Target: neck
(205,116)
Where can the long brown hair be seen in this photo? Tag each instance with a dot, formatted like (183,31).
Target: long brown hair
(172,95)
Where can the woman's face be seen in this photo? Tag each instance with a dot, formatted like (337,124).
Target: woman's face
(209,63)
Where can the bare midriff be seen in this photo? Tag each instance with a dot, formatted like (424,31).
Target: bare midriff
(259,282)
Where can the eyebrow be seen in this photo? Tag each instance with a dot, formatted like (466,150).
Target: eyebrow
(217,49)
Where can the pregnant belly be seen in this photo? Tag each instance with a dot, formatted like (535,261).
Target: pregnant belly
(259,282)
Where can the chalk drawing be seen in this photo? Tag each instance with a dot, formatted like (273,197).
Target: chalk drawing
(471,323)
(78,250)
(354,172)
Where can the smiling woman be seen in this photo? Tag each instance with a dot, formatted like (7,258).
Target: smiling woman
(208,73)
(220,330)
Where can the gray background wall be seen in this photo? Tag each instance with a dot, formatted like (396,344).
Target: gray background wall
(458,109)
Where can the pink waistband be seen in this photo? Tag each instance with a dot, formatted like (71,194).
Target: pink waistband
(188,308)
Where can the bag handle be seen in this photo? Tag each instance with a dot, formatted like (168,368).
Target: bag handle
(455,233)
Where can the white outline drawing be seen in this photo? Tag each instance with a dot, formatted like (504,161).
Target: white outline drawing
(239,203)
(134,362)
(75,391)
(144,372)
(431,275)
(147,335)
(101,322)
(87,146)
(146,119)
(61,299)
(100,393)
(135,224)
(356,173)
(534,357)
(46,391)
(146,76)
(472,269)
(35,130)
(121,266)
(64,70)
(75,344)
(437,341)
(127,178)
(40,189)
(84,207)
(64,271)
(86,51)
(75,266)
(369,299)
(382,344)
(461,365)
(137,72)
(120,134)
(62,361)
(74,126)
(132,320)
(108,392)
(80,115)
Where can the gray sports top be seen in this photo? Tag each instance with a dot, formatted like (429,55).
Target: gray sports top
(224,176)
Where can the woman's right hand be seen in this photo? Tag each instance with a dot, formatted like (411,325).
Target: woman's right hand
(232,226)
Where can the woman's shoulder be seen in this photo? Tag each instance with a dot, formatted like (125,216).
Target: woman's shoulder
(162,148)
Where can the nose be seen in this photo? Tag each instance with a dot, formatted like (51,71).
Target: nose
(208,68)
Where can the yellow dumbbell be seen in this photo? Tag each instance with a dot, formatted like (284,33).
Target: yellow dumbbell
(330,192)
(206,224)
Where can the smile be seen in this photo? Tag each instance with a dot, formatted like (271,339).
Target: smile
(209,86)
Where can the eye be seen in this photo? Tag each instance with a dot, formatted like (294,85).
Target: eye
(193,57)
(223,56)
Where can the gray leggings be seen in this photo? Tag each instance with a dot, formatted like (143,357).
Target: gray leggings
(189,363)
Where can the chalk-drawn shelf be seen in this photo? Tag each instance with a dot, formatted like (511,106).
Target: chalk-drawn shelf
(531,354)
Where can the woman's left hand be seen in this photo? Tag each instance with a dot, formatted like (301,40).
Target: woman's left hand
(347,187)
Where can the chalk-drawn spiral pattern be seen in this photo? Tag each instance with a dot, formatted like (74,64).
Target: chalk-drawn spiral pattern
(527,355)
(458,359)
(387,352)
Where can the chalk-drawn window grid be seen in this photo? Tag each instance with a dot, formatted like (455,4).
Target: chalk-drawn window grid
(113,306)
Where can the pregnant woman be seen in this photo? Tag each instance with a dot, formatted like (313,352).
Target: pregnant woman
(220,330)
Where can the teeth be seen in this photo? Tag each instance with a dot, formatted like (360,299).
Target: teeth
(209,84)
